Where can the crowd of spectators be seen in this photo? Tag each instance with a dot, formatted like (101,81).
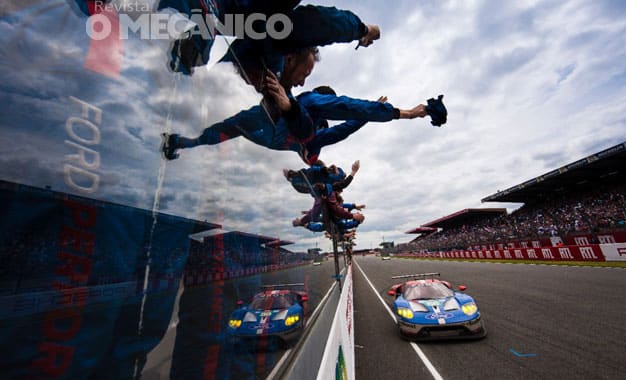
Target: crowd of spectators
(591,212)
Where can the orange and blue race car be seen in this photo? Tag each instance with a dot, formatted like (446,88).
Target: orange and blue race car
(428,308)
(274,312)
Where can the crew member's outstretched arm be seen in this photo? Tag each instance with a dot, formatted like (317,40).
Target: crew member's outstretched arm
(334,107)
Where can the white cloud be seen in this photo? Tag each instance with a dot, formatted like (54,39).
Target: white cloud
(529,85)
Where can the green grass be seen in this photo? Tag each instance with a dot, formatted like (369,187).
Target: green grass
(612,264)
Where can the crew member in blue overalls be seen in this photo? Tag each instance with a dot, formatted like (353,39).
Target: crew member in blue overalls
(310,26)
(296,129)
(328,197)
(313,218)
(303,179)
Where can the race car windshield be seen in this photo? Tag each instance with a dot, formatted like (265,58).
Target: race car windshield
(427,291)
(272,302)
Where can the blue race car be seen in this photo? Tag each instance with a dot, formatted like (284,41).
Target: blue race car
(428,308)
(273,312)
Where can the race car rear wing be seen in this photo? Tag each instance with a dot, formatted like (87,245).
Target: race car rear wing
(418,275)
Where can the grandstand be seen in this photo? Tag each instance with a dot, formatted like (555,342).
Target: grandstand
(581,203)
(606,168)
(235,254)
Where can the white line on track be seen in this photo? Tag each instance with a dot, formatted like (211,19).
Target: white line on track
(433,371)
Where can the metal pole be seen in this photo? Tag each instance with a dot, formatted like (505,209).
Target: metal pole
(333,233)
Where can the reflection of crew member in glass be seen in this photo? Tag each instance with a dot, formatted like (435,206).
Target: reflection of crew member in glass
(320,191)
(311,25)
(329,198)
(302,180)
(296,128)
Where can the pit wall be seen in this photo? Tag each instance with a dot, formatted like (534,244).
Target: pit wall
(338,360)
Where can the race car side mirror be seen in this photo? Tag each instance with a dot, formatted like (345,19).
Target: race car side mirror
(392,292)
(239,303)
(462,288)
(305,298)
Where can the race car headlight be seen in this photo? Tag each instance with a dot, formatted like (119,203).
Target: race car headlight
(416,306)
(234,323)
(451,304)
(292,319)
(249,317)
(280,316)
(469,308)
(405,313)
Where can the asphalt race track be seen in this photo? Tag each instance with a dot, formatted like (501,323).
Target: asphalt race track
(543,322)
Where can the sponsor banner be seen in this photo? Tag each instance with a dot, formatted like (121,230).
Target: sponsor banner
(591,252)
(338,356)
(614,252)
(565,253)
(575,239)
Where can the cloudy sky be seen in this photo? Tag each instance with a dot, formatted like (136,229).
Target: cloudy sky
(529,85)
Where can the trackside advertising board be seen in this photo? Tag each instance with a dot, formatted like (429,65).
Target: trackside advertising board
(614,252)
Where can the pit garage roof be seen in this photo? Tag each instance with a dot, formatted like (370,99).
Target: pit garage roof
(467,216)
(268,241)
(278,243)
(173,220)
(605,167)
